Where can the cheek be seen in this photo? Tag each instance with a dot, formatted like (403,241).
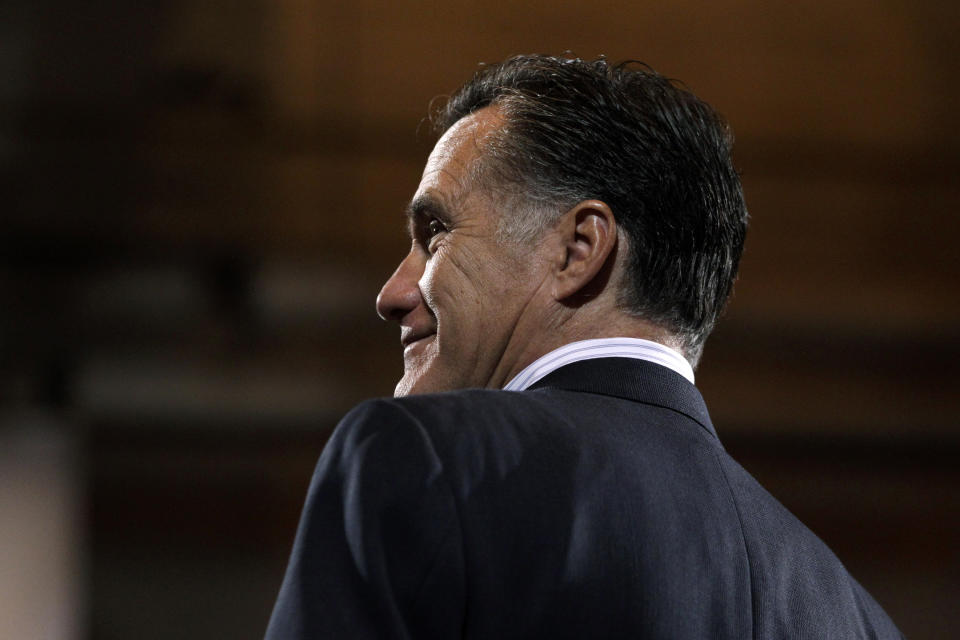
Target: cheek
(449,287)
(428,284)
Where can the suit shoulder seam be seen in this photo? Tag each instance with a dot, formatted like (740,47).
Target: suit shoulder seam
(456,525)
(746,547)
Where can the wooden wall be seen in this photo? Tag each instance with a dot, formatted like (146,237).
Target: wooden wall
(202,199)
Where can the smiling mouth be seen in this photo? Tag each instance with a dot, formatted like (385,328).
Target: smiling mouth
(416,342)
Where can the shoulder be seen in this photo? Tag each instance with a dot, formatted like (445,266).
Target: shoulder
(481,418)
(473,415)
(438,413)
(465,434)
(484,435)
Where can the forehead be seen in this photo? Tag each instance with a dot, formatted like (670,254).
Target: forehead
(448,174)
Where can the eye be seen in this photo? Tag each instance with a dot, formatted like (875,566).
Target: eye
(435,227)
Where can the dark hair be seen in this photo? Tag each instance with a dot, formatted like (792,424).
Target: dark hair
(657,155)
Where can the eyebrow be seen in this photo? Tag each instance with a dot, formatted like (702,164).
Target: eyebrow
(425,206)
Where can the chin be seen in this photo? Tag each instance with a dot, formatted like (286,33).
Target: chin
(411,384)
(403,388)
(420,382)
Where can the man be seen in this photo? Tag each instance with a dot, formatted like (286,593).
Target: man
(547,468)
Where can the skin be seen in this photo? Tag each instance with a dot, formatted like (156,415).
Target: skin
(474,311)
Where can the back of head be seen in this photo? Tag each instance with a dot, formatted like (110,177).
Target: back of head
(653,152)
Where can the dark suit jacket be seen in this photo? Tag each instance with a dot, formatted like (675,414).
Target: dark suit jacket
(598,504)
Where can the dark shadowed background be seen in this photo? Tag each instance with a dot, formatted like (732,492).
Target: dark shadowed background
(201,199)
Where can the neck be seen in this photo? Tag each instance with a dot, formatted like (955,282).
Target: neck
(527,346)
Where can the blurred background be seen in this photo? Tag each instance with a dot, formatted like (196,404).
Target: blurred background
(200,201)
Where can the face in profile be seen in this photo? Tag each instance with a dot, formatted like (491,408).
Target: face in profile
(461,294)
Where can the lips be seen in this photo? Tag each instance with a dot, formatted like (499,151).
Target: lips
(409,337)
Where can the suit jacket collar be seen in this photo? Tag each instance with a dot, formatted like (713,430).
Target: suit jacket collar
(632,379)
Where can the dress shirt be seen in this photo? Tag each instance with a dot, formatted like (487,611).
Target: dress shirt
(636,348)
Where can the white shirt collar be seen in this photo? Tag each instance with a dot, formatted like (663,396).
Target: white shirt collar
(600,348)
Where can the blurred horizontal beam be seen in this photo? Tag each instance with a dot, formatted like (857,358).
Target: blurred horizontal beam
(46,127)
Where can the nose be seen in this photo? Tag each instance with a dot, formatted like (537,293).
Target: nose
(401,292)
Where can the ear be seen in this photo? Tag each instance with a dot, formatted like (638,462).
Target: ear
(588,233)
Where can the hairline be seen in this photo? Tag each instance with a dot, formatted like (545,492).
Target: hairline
(523,217)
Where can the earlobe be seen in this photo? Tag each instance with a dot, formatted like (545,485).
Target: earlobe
(588,233)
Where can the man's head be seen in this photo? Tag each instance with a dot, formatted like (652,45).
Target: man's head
(542,150)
